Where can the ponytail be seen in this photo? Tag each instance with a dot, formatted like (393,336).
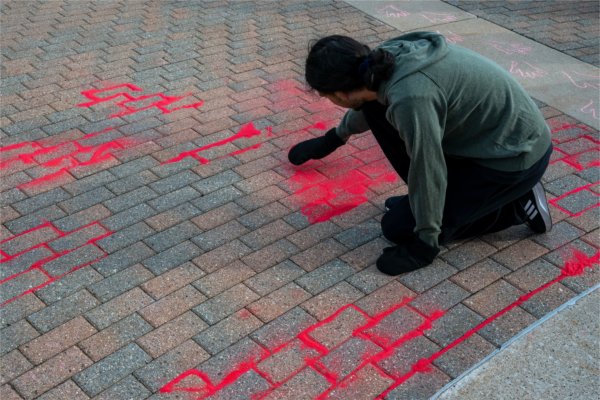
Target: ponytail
(377,67)
(339,63)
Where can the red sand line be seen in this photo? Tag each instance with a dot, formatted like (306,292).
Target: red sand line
(575,266)
(161,104)
(555,201)
(39,265)
(246,131)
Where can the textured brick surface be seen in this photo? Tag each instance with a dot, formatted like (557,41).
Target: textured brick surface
(157,244)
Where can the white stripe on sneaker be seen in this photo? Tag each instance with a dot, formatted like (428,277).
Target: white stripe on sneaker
(532,216)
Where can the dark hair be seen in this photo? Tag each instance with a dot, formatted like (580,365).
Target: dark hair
(339,63)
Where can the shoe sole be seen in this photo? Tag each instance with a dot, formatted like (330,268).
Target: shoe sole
(541,207)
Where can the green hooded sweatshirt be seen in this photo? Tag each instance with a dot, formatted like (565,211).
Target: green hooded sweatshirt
(445,100)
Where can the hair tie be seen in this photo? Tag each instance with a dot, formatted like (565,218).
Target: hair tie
(362,68)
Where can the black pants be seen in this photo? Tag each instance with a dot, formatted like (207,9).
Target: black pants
(479,200)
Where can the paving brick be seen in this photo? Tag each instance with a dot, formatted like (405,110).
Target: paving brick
(133,167)
(18,309)
(332,299)
(131,182)
(175,198)
(325,276)
(82,218)
(172,305)
(428,277)
(40,201)
(493,298)
(453,324)
(220,235)
(270,255)
(172,217)
(120,282)
(86,200)
(274,278)
(221,256)
(317,255)
(221,364)
(63,310)
(67,390)
(550,299)
(118,308)
(367,383)
(125,237)
(468,254)
(288,361)
(49,374)
(313,234)
(365,255)
(263,215)
(123,258)
(171,334)
(218,216)
(385,297)
(128,388)
(7,393)
(533,275)
(128,217)
(172,236)
(217,198)
(561,234)
(307,384)
(228,331)
(278,302)
(160,371)
(458,359)
(102,375)
(217,181)
(172,257)
(12,365)
(226,303)
(114,337)
(404,357)
(441,297)
(519,254)
(224,278)
(421,386)
(480,275)
(57,340)
(507,326)
(172,280)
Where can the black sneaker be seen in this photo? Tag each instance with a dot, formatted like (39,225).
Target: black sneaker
(392,201)
(536,209)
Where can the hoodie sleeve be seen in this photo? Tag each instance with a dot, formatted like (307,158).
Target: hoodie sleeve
(420,122)
(352,123)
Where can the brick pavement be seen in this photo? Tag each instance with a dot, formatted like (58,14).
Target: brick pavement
(156,244)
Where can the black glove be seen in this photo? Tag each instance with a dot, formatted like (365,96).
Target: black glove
(406,257)
(314,149)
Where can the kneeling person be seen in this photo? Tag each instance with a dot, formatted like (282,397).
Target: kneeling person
(459,130)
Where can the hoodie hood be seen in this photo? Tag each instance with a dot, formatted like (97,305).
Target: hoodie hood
(413,52)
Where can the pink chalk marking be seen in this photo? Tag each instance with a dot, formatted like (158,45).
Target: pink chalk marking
(510,48)
(247,131)
(439,17)
(392,11)
(590,108)
(574,159)
(452,37)
(39,265)
(529,71)
(162,102)
(583,81)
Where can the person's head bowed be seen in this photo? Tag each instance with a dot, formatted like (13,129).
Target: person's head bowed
(341,64)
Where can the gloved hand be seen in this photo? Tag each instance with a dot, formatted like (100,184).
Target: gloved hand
(406,257)
(314,149)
